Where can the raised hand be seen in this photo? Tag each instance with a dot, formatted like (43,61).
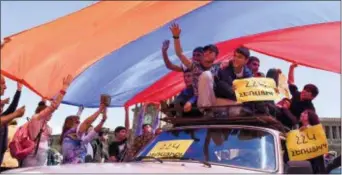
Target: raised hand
(20,112)
(294,65)
(43,100)
(175,30)
(166,45)
(67,81)
(5,101)
(187,107)
(19,86)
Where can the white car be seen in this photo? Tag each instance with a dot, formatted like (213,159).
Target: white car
(215,146)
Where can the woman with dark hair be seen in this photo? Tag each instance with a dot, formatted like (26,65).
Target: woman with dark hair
(74,138)
(40,131)
(309,118)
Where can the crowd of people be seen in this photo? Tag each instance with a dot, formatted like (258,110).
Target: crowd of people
(211,84)
(207,84)
(80,142)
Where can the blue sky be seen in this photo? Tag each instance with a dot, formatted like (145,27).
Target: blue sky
(22,15)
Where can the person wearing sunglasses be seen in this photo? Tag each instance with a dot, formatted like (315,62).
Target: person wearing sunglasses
(253,64)
(74,139)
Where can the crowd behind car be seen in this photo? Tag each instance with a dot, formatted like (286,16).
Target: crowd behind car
(208,83)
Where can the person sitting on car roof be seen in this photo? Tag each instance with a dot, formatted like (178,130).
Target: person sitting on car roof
(183,103)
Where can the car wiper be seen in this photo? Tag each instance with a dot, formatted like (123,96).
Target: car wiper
(139,158)
(187,158)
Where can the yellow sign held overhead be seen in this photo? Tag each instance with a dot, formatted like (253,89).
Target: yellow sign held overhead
(306,144)
(255,89)
(172,148)
(283,86)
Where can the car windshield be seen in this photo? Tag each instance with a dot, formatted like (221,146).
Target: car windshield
(226,146)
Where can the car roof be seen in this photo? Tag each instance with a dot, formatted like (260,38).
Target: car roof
(249,116)
(262,121)
(230,126)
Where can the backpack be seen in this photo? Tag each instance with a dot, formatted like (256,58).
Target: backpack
(22,145)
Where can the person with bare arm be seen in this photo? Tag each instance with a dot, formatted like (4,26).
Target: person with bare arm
(39,129)
(197,68)
(4,120)
(301,101)
(90,147)
(11,113)
(197,54)
(166,59)
(73,138)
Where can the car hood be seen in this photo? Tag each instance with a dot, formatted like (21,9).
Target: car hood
(135,167)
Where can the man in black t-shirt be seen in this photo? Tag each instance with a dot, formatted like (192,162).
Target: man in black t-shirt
(118,148)
(301,101)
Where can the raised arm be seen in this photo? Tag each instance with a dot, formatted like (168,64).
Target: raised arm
(291,74)
(166,59)
(178,48)
(44,114)
(14,104)
(93,133)
(127,124)
(5,119)
(104,118)
(86,123)
(80,110)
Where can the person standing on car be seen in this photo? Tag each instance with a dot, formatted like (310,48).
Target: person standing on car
(301,100)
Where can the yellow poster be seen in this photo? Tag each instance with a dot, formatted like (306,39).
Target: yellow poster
(172,148)
(283,86)
(255,89)
(306,144)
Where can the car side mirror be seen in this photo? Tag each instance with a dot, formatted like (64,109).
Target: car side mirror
(298,167)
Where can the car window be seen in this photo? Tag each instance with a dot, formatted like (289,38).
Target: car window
(238,147)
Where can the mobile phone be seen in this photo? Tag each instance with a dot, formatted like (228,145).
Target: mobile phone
(105,99)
